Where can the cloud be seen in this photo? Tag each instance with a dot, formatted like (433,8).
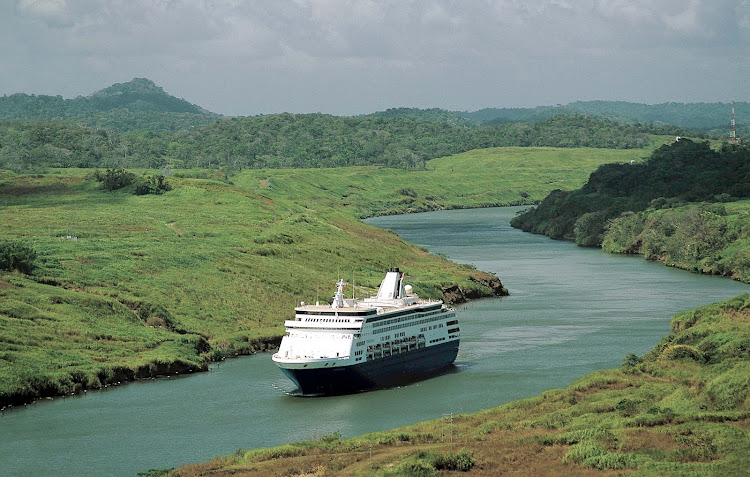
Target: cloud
(54,13)
(312,52)
(43,7)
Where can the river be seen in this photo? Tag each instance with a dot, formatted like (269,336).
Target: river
(571,311)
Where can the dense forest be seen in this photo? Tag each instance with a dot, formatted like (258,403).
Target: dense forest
(431,114)
(293,140)
(682,172)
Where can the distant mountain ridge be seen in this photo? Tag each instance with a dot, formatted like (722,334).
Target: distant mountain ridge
(138,104)
(700,116)
(703,116)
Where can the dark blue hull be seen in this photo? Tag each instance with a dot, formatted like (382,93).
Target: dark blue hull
(382,372)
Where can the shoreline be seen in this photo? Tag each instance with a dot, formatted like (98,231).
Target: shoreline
(118,375)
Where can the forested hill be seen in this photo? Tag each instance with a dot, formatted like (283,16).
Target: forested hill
(140,94)
(136,105)
(680,173)
(704,116)
(431,114)
(293,140)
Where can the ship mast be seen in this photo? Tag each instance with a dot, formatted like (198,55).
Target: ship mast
(338,298)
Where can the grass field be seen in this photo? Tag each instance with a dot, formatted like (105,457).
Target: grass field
(131,286)
(682,409)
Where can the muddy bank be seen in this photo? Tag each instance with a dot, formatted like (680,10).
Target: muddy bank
(489,286)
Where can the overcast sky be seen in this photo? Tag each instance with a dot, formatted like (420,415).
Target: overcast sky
(246,57)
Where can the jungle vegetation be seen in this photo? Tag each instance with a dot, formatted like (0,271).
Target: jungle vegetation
(292,141)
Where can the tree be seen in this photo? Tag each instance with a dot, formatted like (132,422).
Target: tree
(152,185)
(17,256)
(114,179)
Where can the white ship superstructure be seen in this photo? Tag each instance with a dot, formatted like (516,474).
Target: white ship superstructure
(356,344)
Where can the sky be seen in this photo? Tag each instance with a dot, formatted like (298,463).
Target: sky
(347,57)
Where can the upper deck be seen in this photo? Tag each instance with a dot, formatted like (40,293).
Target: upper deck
(328,310)
(394,299)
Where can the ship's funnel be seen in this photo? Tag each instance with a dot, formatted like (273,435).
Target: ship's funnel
(392,286)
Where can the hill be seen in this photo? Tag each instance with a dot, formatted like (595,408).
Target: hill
(139,94)
(136,105)
(680,207)
(142,105)
(684,171)
(701,116)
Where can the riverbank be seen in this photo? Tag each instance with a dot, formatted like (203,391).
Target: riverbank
(681,409)
(571,311)
(130,286)
(685,206)
(211,268)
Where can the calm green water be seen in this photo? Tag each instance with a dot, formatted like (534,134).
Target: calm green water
(571,311)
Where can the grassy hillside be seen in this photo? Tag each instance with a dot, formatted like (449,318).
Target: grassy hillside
(682,409)
(479,178)
(129,286)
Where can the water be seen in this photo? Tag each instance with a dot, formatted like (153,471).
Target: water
(571,311)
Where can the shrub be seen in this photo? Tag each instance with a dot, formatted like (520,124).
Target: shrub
(114,179)
(17,256)
(611,461)
(331,438)
(152,185)
(416,468)
(627,407)
(655,416)
(461,460)
(580,452)
(679,352)
(632,360)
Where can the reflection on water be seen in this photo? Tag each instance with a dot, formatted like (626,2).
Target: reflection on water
(571,311)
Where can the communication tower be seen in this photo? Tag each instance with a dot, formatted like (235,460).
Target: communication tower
(732,128)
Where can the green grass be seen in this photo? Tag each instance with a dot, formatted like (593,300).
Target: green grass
(480,178)
(130,286)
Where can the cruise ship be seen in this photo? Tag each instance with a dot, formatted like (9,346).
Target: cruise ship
(351,345)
